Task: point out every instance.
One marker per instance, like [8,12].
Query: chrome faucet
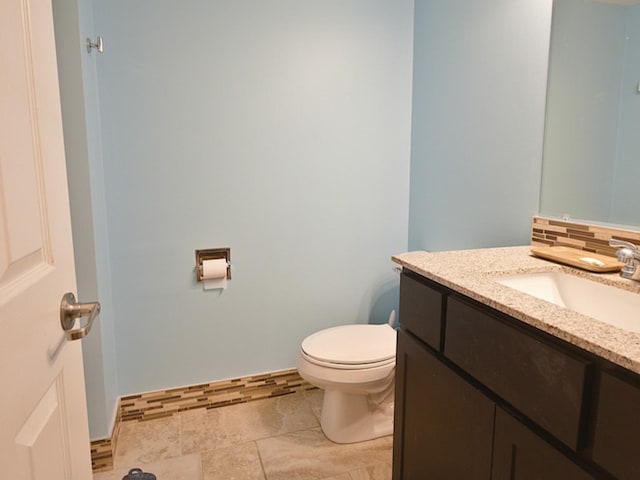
[629,254]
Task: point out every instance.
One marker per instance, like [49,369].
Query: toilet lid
[352,344]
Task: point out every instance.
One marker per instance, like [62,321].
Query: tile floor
[272,439]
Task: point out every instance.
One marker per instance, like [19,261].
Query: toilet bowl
[354,365]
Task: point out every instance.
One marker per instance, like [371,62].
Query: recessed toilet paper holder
[212,254]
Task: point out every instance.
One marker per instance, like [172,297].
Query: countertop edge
[472,273]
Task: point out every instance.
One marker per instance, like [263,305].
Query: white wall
[480,72]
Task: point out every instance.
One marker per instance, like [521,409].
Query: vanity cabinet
[543,382]
[480,395]
[520,454]
[422,310]
[444,415]
[617,431]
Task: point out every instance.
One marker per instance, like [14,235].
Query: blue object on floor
[138,474]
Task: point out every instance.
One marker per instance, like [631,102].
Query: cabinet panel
[544,383]
[617,437]
[421,309]
[519,454]
[443,425]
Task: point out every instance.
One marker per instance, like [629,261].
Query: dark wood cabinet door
[617,437]
[519,454]
[443,425]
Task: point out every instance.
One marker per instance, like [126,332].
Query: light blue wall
[479,84]
[280,129]
[86,193]
[581,135]
[593,113]
[627,168]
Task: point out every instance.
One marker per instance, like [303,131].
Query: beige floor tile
[238,462]
[222,427]
[140,443]
[179,468]
[381,471]
[281,435]
[314,398]
[310,455]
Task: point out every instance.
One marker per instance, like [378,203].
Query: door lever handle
[70,311]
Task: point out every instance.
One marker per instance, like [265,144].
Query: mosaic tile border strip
[584,236]
[102,451]
[101,455]
[165,403]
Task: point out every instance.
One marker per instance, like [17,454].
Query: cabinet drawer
[617,433]
[421,309]
[542,381]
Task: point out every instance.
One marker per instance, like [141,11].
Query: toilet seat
[351,347]
[347,366]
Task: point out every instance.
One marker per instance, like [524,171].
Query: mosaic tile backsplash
[164,403]
[584,236]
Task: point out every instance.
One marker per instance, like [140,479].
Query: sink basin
[608,304]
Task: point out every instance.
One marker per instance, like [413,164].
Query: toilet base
[349,418]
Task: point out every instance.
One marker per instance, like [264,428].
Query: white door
[43,416]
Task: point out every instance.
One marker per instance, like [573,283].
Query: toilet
[354,365]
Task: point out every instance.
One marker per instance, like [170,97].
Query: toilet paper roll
[214,274]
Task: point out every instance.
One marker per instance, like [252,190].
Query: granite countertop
[472,273]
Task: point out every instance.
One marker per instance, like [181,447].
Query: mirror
[591,160]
